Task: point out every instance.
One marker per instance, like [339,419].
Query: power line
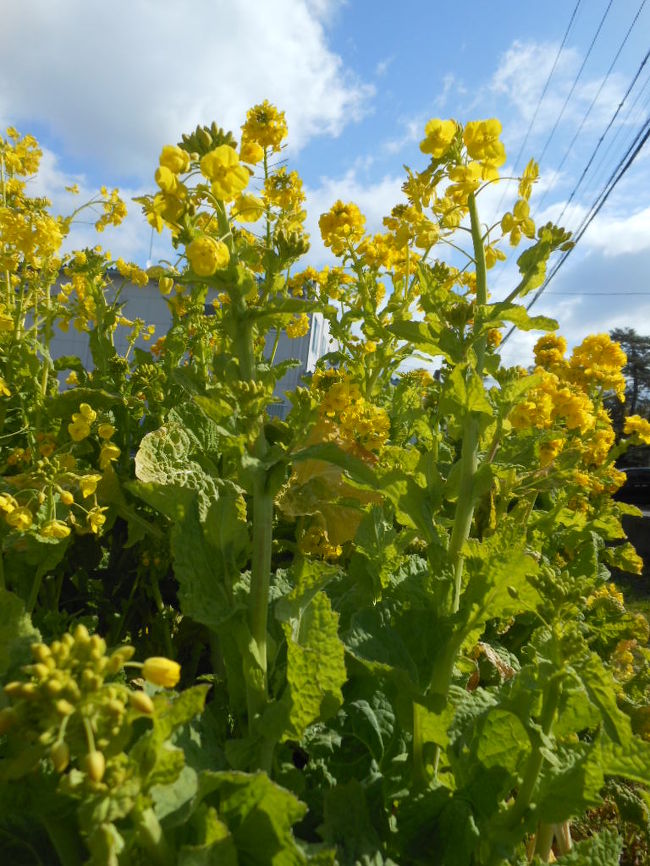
[593,102]
[600,140]
[541,98]
[598,169]
[589,294]
[575,81]
[629,157]
[620,170]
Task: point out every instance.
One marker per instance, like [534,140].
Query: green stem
[151,838]
[419,774]
[258,604]
[259,594]
[544,841]
[469,454]
[536,759]
[65,840]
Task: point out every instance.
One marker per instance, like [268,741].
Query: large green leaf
[165,457]
[16,633]
[315,665]
[603,849]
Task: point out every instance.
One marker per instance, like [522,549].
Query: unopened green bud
[13,689]
[81,635]
[7,719]
[60,756]
[141,702]
[41,652]
[64,708]
[95,765]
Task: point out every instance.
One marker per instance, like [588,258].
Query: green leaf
[355,468]
[571,784]
[165,457]
[315,665]
[502,741]
[17,633]
[464,393]
[518,315]
[600,687]
[420,336]
[603,849]
[259,814]
[629,760]
[347,824]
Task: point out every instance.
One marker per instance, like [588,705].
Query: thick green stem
[536,758]
[259,594]
[258,604]
[469,454]
[151,838]
[65,840]
[464,505]
[419,774]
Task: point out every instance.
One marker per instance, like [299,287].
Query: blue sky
[104,86]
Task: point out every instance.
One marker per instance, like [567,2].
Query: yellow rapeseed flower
[223,168]
[481,139]
[55,529]
[207,255]
[161,671]
[109,452]
[439,135]
[174,158]
[248,208]
[88,484]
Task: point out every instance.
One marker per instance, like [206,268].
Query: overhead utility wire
[624,164]
[595,99]
[541,98]
[598,169]
[615,177]
[575,81]
[600,140]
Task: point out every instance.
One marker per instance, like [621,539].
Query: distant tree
[636,371]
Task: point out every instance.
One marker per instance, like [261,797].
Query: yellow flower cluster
[132,272]
[28,237]
[638,427]
[315,541]
[597,363]
[21,154]
[518,222]
[408,224]
[70,704]
[549,353]
[353,417]
[342,227]
[265,126]
[284,190]
[114,209]
[248,208]
[298,326]
[550,402]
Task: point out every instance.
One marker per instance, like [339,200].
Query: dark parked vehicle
[636,488]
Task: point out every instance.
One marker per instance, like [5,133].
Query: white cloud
[113,82]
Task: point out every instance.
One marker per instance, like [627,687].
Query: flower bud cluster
[71,708]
